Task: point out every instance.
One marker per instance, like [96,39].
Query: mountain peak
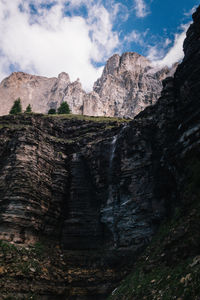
[128,84]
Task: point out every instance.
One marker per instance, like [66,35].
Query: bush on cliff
[64,108]
[16,108]
[28,109]
[52,111]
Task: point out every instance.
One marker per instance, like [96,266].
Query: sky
[47,37]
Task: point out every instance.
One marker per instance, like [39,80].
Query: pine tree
[16,108]
[64,108]
[28,109]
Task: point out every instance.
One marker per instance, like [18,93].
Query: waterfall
[110,168]
[109,213]
[112,151]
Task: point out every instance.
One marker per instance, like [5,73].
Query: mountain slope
[96,190]
[128,84]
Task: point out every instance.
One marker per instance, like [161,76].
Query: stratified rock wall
[101,189]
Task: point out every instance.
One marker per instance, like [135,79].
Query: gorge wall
[128,84]
[98,188]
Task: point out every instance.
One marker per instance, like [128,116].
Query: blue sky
[46,37]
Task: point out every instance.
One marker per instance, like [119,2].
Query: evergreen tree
[64,108]
[51,111]
[16,108]
[28,109]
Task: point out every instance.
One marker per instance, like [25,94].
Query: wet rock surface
[100,189]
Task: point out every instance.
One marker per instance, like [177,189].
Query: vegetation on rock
[28,109]
[16,108]
[63,108]
[22,269]
[52,111]
[170,266]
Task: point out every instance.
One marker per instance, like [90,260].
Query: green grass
[63,141]
[156,276]
[28,265]
[13,126]
[88,118]
[161,283]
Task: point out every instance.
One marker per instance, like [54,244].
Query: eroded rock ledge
[100,189]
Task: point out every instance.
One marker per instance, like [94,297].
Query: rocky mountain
[128,84]
[41,92]
[81,198]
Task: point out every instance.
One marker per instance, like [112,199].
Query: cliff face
[99,188]
[41,92]
[49,195]
[128,84]
[170,266]
[38,154]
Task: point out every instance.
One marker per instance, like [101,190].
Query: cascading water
[109,212]
[110,170]
[113,148]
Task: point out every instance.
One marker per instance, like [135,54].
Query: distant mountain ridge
[82,197]
[128,84]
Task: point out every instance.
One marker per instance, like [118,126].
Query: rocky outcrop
[36,154]
[128,84]
[97,187]
[48,194]
[40,92]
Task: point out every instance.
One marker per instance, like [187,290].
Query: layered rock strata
[101,189]
[128,84]
[48,194]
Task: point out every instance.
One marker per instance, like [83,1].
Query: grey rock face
[128,84]
[41,92]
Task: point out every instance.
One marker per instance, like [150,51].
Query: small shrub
[51,111]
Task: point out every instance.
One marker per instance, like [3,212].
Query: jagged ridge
[128,84]
[115,186]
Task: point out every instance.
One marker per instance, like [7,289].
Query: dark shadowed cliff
[86,196]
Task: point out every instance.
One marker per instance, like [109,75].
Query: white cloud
[136,37]
[50,42]
[191,11]
[167,42]
[103,38]
[155,53]
[141,8]
[120,11]
[174,54]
